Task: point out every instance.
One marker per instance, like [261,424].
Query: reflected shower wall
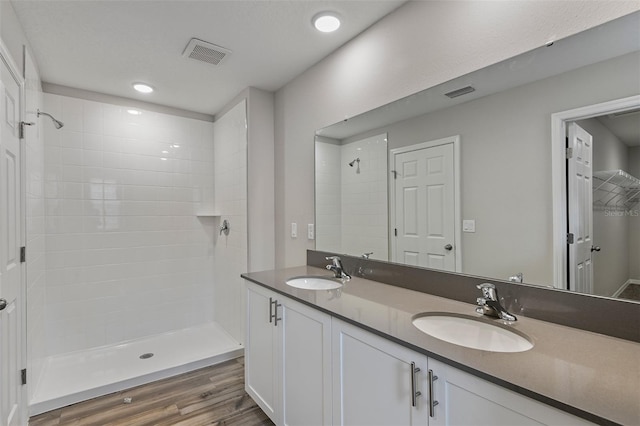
[351,196]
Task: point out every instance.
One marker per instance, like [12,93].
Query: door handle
[448,247]
[595,248]
[3,304]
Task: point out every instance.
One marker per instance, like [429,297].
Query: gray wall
[634,221]
[419,45]
[610,232]
[506,167]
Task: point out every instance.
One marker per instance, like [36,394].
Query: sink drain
[146,356]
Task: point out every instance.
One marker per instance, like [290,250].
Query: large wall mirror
[465,176]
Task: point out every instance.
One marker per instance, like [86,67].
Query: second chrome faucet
[489,303]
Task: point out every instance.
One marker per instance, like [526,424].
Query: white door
[580,209]
[10,242]
[424,192]
[464,399]
[261,379]
[375,381]
[305,343]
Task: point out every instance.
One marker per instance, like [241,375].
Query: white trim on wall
[455,140]
[559,121]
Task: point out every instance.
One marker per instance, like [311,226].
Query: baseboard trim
[624,286]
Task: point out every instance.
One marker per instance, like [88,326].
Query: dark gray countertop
[591,375]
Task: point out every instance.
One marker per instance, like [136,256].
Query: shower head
[57,123]
[357,160]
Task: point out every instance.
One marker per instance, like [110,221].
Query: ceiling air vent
[205,52]
[460,92]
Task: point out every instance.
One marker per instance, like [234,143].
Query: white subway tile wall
[351,201]
[364,197]
[126,255]
[328,197]
[230,253]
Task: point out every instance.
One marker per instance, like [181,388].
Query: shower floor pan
[78,376]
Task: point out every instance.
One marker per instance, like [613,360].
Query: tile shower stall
[130,261]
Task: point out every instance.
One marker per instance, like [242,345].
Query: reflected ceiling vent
[205,52]
[460,92]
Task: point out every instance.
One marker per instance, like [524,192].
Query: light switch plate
[294,230]
[468,225]
[311,233]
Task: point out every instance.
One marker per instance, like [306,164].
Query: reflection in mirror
[506,224]
[351,196]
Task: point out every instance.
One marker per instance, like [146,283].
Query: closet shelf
[615,189]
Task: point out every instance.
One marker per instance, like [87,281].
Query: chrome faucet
[336,267]
[490,305]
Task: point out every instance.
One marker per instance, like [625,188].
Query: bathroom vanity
[352,355]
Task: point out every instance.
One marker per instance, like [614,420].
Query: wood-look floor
[209,396]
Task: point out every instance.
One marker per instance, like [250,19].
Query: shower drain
[146,356]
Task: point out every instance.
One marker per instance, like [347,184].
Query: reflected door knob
[3,304]
[595,248]
[448,247]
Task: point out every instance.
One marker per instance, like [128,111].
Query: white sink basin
[471,332]
[314,283]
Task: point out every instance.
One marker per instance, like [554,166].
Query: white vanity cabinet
[376,381]
[288,358]
[305,367]
[464,399]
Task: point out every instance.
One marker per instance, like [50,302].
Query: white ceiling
[624,127]
[105,45]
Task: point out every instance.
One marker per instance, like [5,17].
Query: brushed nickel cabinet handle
[432,401]
[275,315]
[414,393]
[271,301]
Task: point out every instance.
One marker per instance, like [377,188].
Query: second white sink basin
[471,332]
[314,283]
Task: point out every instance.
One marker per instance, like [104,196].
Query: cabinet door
[464,399]
[261,379]
[372,380]
[305,335]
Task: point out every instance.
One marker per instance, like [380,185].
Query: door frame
[559,122]
[13,68]
[457,221]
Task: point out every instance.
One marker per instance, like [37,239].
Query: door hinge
[23,254]
[569,238]
[21,128]
[569,153]
[23,376]
[395,232]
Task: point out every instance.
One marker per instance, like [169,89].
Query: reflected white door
[580,209]
[10,241]
[424,204]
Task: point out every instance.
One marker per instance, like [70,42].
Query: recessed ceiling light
[326,22]
[134,111]
[142,87]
